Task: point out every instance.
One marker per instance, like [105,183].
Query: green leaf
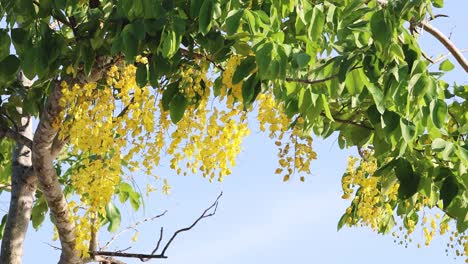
[138,29]
[135,200]
[326,107]
[408,130]
[438,113]
[206,16]
[438,3]
[354,82]
[385,169]
[446,66]
[38,212]
[409,180]
[233,21]
[19,36]
[117,45]
[448,151]
[113,216]
[9,66]
[381,30]
[168,45]
[195,7]
[342,222]
[438,144]
[142,75]
[390,121]
[168,94]
[177,107]
[378,96]
[316,24]
[301,59]
[449,190]
[305,100]
[4,43]
[250,89]
[130,44]
[244,69]
[263,57]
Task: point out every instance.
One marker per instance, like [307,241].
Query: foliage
[302,67]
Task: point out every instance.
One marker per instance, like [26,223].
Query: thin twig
[146,257]
[52,246]
[441,58]
[305,81]
[125,110]
[204,215]
[12,121]
[447,43]
[130,228]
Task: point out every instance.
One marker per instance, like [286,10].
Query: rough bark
[43,156]
[23,188]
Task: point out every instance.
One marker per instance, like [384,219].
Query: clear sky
[260,219]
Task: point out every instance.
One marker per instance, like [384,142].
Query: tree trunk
[23,188]
[43,158]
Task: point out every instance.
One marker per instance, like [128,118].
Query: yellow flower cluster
[99,136]
[295,152]
[227,85]
[207,141]
[194,84]
[115,123]
[371,204]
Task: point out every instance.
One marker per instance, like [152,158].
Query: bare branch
[210,211]
[204,215]
[127,255]
[124,110]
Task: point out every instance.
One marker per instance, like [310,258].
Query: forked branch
[208,212]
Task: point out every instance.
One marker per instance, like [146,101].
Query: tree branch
[441,58]
[128,255]
[204,215]
[447,43]
[146,257]
[305,81]
[11,134]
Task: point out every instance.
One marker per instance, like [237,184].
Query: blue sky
[260,219]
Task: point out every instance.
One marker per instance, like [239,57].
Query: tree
[119,84]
